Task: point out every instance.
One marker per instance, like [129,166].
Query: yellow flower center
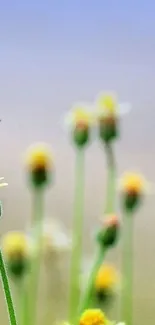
[93,317]
[15,243]
[106,278]
[108,104]
[39,157]
[133,182]
[81,116]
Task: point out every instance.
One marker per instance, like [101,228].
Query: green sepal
[108,237]
[81,137]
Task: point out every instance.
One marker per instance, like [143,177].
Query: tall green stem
[77,235]
[37,226]
[109,205]
[24,299]
[7,292]
[86,300]
[127,270]
[109,208]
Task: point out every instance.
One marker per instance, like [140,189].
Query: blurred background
[52,54]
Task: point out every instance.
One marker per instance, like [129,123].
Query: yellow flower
[133,182]
[107,104]
[39,162]
[15,244]
[93,317]
[107,278]
[80,115]
[38,156]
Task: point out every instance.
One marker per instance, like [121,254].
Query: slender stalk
[127,270]
[88,295]
[18,286]
[25,303]
[7,292]
[37,225]
[109,208]
[77,236]
[109,204]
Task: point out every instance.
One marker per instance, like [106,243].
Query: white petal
[124,108]
[3,184]
[55,236]
[61,242]
[1,178]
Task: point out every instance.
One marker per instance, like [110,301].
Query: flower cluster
[25,253]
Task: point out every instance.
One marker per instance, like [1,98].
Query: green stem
[7,292]
[77,236]
[86,301]
[109,208]
[127,270]
[111,182]
[25,303]
[37,226]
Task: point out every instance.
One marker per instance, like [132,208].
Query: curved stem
[86,301]
[7,292]
[77,236]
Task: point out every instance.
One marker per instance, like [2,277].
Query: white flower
[3,183]
[54,237]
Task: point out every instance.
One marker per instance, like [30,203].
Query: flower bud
[132,186]
[81,134]
[108,128]
[39,165]
[16,250]
[107,237]
[80,121]
[106,282]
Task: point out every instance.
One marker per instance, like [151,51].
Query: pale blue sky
[54,53]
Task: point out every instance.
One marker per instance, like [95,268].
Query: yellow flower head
[132,182]
[93,317]
[80,116]
[39,156]
[107,277]
[107,104]
[15,244]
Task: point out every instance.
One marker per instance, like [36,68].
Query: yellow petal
[39,155]
[14,242]
[133,181]
[107,103]
[107,277]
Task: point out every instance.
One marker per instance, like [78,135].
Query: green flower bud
[81,136]
[108,128]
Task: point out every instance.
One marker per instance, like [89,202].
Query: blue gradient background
[53,53]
